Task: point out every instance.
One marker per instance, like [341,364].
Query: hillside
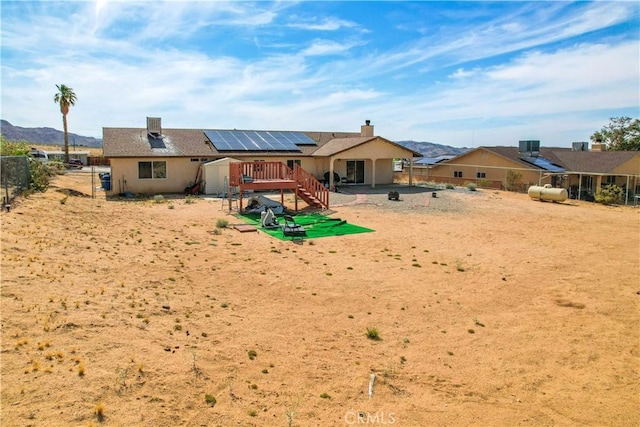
[44,135]
[431,149]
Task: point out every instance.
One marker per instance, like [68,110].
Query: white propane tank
[548,193]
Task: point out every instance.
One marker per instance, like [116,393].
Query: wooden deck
[262,176]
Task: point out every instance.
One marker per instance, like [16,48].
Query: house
[156,160]
[58,156]
[580,170]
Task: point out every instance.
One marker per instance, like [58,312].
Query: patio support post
[331,183]
[373,173]
[626,197]
[579,186]
[411,170]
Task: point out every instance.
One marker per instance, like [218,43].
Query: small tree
[514,181]
[621,134]
[609,195]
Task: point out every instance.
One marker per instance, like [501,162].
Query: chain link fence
[15,177]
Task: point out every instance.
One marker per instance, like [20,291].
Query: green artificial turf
[315,225]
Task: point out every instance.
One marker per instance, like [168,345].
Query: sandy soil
[492,309]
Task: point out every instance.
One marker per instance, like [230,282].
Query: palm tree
[66,97]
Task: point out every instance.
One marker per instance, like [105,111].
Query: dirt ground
[491,309]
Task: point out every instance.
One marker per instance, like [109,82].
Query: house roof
[567,159]
[593,161]
[136,142]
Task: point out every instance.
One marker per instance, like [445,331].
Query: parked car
[75,164]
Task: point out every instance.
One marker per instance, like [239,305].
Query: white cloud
[324,24]
[122,74]
[327,47]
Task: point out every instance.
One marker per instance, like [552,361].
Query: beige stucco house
[156,160]
[582,173]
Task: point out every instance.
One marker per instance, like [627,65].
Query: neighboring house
[156,160]
[58,156]
[583,173]
[83,156]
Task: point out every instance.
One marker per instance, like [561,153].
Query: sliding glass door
[355,171]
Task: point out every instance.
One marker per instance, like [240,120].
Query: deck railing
[311,185]
[242,172]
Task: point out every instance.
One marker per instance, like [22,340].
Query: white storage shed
[214,174]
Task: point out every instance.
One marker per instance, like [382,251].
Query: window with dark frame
[481,175]
[457,174]
[152,170]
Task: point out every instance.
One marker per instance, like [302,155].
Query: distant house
[581,171]
[156,160]
[83,156]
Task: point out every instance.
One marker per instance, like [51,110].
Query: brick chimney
[366,129]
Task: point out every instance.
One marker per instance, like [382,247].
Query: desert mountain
[431,149]
[44,135]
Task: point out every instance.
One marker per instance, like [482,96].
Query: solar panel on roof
[156,141]
[250,140]
[543,163]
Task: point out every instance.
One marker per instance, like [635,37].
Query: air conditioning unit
[154,125]
[579,146]
[529,148]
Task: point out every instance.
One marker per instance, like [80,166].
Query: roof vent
[154,126]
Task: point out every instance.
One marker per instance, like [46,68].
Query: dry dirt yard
[491,310]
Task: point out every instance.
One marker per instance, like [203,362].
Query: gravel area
[411,198]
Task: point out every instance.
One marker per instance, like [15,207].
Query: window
[194,160]
[457,174]
[152,170]
[290,163]
[481,175]
[610,179]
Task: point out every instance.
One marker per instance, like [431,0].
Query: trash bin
[105,178]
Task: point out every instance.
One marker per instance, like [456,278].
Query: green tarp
[315,225]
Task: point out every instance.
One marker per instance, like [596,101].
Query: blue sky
[455,73]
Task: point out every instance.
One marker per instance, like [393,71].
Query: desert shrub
[210,399]
[40,174]
[514,181]
[450,186]
[471,186]
[158,198]
[222,223]
[609,195]
[373,334]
